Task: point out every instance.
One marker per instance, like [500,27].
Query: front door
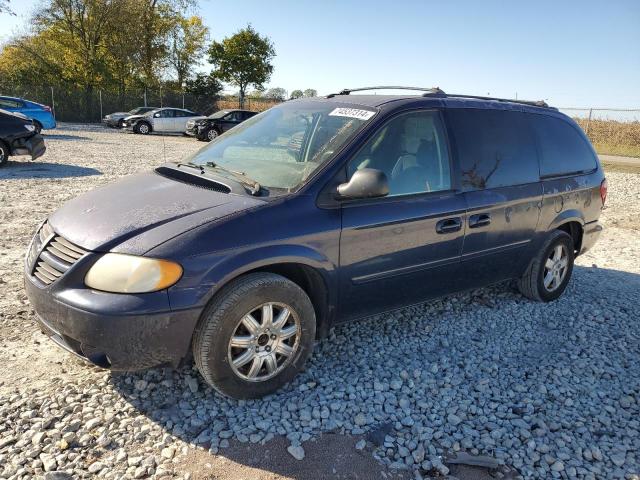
[230,120]
[164,123]
[500,177]
[405,247]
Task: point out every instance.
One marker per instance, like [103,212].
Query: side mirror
[365,183]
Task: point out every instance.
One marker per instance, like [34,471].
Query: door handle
[449,225]
[480,220]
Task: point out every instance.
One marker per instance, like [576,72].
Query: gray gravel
[552,391]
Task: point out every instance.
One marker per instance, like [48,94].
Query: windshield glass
[219,114]
[283,146]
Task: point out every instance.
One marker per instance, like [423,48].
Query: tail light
[603,191]
[47,108]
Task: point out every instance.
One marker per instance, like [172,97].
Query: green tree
[276,93]
[310,92]
[296,94]
[243,60]
[188,44]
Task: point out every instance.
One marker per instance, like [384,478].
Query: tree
[204,85]
[296,94]
[188,37]
[4,7]
[276,93]
[310,92]
[243,60]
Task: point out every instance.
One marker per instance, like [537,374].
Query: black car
[18,136]
[314,212]
[207,129]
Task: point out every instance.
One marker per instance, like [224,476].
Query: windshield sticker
[352,113]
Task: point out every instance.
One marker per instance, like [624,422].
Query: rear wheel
[549,272]
[254,336]
[4,153]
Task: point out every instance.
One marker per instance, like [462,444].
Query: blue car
[314,212]
[41,115]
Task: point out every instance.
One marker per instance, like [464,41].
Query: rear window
[496,148]
[563,150]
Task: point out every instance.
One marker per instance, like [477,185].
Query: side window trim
[444,130]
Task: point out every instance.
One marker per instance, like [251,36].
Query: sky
[571,53]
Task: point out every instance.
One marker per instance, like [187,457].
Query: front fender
[205,275]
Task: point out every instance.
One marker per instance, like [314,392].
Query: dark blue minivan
[314,212]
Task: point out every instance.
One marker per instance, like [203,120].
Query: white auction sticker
[352,113]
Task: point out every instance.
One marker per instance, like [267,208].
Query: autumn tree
[187,45]
[243,60]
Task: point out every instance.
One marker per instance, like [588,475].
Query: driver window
[411,150]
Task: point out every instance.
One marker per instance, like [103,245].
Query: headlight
[118,273]
[31,128]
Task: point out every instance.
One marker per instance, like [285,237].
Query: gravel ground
[538,391]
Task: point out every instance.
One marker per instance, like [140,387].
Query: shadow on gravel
[477,351]
[27,170]
[63,136]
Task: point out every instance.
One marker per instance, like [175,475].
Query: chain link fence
[90,106]
[612,131]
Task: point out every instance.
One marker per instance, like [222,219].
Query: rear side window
[563,150]
[496,148]
[10,103]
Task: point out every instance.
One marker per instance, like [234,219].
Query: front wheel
[142,127]
[549,272]
[4,153]
[210,134]
[254,336]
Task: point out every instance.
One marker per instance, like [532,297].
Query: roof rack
[430,91]
[535,103]
[437,92]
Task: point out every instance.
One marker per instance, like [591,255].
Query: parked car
[18,136]
[165,120]
[116,119]
[207,129]
[314,212]
[41,115]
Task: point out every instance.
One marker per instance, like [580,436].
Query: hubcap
[144,128]
[555,268]
[212,134]
[264,342]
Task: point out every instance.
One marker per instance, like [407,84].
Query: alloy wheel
[555,268]
[264,342]
[212,134]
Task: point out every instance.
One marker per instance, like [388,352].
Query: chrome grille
[57,256]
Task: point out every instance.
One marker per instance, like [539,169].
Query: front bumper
[121,332]
[33,146]
[112,122]
[590,234]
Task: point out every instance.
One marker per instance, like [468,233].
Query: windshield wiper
[192,165]
[253,185]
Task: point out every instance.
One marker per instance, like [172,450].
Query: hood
[142,211]
[19,115]
[134,117]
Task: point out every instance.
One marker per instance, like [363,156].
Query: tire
[210,134]
[4,154]
[38,126]
[221,364]
[534,284]
[144,128]
[120,123]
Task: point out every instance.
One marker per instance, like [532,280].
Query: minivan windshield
[281,147]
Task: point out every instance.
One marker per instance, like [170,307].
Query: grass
[622,150]
[612,137]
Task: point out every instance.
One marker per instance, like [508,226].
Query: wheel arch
[571,222]
[303,266]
